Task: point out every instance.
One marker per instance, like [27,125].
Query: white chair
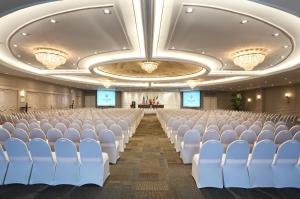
[53,135]
[125,128]
[88,133]
[235,165]
[295,129]
[190,146]
[45,127]
[61,126]
[269,128]
[73,135]
[4,135]
[24,121]
[286,171]
[200,129]
[179,136]
[116,129]
[173,132]
[210,135]
[94,167]
[226,127]
[110,145]
[33,125]
[22,126]
[260,164]
[280,128]
[255,128]
[20,134]
[282,136]
[75,126]
[240,129]
[68,164]
[3,165]
[20,162]
[206,166]
[43,162]
[234,124]
[297,136]
[265,135]
[8,126]
[212,127]
[100,128]
[109,122]
[37,133]
[249,136]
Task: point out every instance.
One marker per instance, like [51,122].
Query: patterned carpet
[148,169]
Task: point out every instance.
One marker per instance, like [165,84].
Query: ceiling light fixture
[249,58]
[189,10]
[244,21]
[107,83]
[107,11]
[149,66]
[286,46]
[24,33]
[51,58]
[15,45]
[276,34]
[53,21]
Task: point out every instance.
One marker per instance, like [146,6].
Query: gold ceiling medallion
[149,66]
[49,57]
[248,59]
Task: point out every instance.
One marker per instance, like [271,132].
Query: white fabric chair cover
[73,135]
[68,164]
[206,166]
[212,127]
[4,135]
[297,136]
[61,126]
[295,129]
[240,129]
[116,129]
[53,135]
[235,166]
[45,127]
[88,126]
[190,146]
[255,128]
[282,136]
[269,128]
[285,168]
[100,128]
[20,162]
[33,125]
[226,127]
[76,126]
[210,135]
[174,129]
[43,162]
[94,167]
[22,126]
[88,133]
[37,133]
[8,126]
[260,164]
[228,137]
[248,136]
[179,137]
[125,128]
[280,128]
[110,145]
[265,135]
[20,134]
[24,121]
[3,165]
[234,124]
[200,129]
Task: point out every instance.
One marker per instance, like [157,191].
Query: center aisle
[150,167]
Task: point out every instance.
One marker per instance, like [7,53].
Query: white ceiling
[208,37]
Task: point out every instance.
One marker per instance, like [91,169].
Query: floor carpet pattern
[149,168]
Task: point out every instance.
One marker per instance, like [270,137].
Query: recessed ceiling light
[244,21]
[52,20]
[225,64]
[290,82]
[24,33]
[107,11]
[28,63]
[19,56]
[74,64]
[15,45]
[124,48]
[202,52]
[285,78]
[276,34]
[189,10]
[286,46]
[79,58]
[173,48]
[282,57]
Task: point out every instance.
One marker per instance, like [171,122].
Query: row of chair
[38,165]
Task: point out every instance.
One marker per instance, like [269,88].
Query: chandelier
[51,58]
[149,66]
[249,58]
[107,83]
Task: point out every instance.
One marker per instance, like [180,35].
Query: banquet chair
[117,131]
[265,135]
[45,127]
[282,136]
[53,135]
[240,129]
[249,136]
[3,165]
[179,136]
[88,133]
[100,128]
[33,125]
[22,126]
[73,135]
[20,134]
[94,167]
[190,146]
[110,145]
[37,133]
[20,162]
[4,135]
[210,135]
[61,126]
[8,126]
[297,136]
[294,129]
[43,162]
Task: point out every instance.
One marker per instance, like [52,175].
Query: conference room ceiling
[191,40]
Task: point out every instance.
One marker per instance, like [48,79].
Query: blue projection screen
[106,98]
[191,99]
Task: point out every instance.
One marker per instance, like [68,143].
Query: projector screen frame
[106,106]
[191,107]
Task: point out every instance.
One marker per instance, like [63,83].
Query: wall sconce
[287,96]
[22,93]
[258,96]
[249,100]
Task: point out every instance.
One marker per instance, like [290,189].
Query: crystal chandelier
[51,58]
[149,66]
[107,83]
[192,84]
[249,58]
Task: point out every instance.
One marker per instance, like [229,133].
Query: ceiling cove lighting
[149,66]
[51,58]
[249,58]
